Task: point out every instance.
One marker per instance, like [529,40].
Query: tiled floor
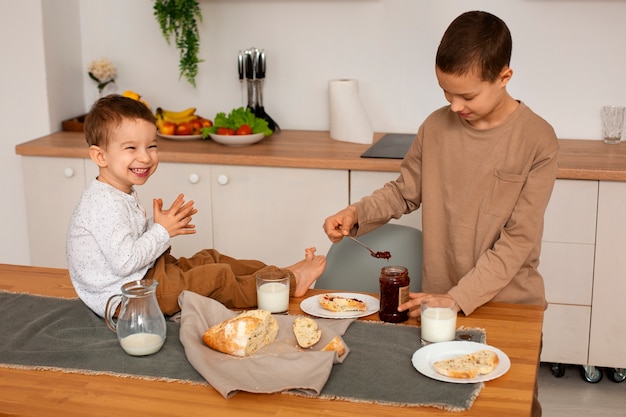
[572,396]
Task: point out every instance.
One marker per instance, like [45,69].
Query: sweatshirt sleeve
[395,198]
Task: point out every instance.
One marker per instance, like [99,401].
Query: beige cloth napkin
[279,366]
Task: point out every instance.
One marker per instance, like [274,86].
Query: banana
[131,94]
[178,114]
[181,119]
[135,96]
[159,122]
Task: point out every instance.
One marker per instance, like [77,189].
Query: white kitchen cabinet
[194,181]
[265,213]
[607,342]
[273,214]
[53,187]
[566,334]
[567,262]
[363,183]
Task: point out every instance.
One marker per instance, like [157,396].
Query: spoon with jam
[377,255]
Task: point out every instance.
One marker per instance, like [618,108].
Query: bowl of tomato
[237,140]
[238,128]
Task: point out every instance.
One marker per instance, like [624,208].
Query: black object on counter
[392,145]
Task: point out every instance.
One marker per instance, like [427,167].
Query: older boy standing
[482,168]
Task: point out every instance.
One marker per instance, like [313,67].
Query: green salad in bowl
[239,121]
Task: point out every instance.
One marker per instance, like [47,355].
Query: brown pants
[230,281]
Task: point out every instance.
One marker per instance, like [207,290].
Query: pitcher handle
[109,311]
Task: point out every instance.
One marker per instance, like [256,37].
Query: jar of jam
[394,290]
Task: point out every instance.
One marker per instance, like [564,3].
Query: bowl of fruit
[180,125]
[239,128]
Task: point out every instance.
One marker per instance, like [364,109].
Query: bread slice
[337,303]
[244,334]
[468,366]
[335,344]
[306,331]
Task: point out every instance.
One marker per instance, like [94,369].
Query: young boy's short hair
[475,40]
[109,112]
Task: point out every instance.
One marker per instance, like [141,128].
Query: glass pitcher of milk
[140,324]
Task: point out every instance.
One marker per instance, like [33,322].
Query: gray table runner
[63,334]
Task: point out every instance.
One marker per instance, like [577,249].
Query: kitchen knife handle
[240,65]
[260,67]
[249,67]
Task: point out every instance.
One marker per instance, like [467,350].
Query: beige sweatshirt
[483,195]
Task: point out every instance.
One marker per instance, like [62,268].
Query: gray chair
[350,267]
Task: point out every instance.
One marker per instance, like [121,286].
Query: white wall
[563,59]
[23,115]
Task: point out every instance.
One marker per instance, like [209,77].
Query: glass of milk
[438,317]
[272,291]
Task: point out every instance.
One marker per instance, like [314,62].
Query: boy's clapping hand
[176,219]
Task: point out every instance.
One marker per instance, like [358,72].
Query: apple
[205,122]
[183,129]
[167,128]
[196,126]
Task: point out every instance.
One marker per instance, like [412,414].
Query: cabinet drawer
[607,346]
[571,214]
[567,270]
[273,214]
[53,187]
[566,334]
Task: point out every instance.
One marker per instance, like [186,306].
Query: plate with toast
[340,305]
[461,362]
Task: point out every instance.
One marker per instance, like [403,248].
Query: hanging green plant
[179,19]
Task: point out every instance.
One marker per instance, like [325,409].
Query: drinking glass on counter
[612,124]
[438,317]
[272,291]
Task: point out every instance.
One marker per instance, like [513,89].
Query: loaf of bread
[335,344]
[244,334]
[306,332]
[468,366]
[338,303]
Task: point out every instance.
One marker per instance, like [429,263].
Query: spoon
[379,255]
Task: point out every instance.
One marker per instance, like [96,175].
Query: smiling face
[130,156]
[483,104]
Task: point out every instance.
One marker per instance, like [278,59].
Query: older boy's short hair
[475,40]
[109,112]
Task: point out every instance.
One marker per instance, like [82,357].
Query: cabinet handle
[222,179]
[68,172]
[194,178]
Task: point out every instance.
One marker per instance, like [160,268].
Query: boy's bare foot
[307,271]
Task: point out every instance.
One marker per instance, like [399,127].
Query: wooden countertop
[515,329]
[579,159]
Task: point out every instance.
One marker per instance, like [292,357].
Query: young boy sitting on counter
[111,240]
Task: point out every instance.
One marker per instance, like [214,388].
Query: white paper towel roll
[348,118]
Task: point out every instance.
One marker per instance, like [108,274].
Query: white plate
[312,306]
[237,140]
[424,358]
[180,137]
